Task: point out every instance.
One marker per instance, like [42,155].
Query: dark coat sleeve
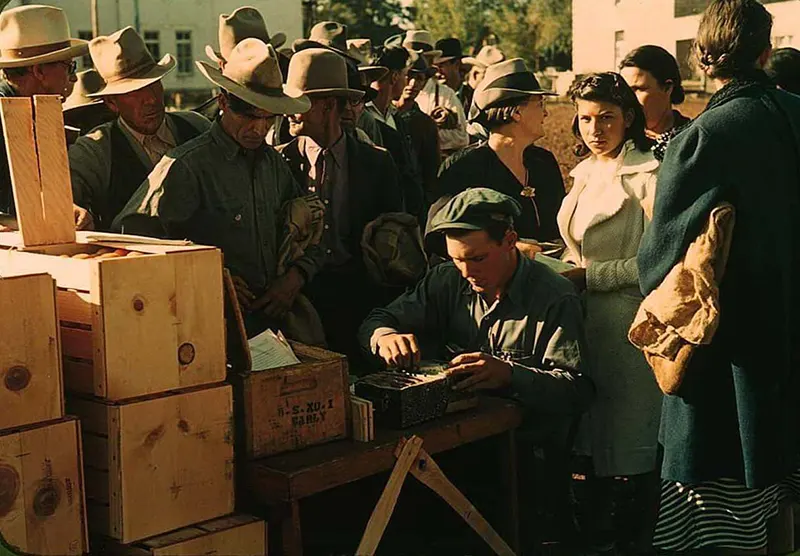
[386,179]
[549,184]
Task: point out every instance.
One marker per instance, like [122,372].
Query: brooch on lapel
[529,192]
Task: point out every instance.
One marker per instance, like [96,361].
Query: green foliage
[374,19]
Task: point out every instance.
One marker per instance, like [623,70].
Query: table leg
[285,535]
[509,466]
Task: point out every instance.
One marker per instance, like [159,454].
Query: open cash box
[137,315]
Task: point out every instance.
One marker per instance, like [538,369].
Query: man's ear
[222,100]
[510,241]
[111,104]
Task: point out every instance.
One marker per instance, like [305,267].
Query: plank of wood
[241,540]
[74,307]
[31,388]
[23,161]
[428,472]
[77,343]
[68,273]
[78,375]
[97,485]
[53,169]
[95,417]
[95,451]
[45,505]
[386,503]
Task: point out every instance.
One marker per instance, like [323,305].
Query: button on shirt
[213,192]
[328,178]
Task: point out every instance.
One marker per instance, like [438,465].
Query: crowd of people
[389,201]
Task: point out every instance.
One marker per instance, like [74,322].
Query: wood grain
[31,388]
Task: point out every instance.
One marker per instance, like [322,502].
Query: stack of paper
[363,426]
[270,351]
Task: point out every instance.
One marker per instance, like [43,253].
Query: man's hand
[577,276]
[529,248]
[280,295]
[399,350]
[83,218]
[243,293]
[479,371]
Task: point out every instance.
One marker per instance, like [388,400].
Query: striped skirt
[720,513]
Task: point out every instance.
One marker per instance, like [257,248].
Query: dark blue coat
[736,414]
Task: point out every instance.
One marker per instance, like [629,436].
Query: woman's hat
[320,71]
[361,50]
[451,50]
[252,74]
[244,23]
[125,63]
[421,42]
[504,81]
[34,34]
[88,82]
[488,55]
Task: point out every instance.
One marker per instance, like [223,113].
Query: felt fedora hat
[320,71]
[125,64]
[361,50]
[487,56]
[89,81]
[504,81]
[35,34]
[451,50]
[421,64]
[252,74]
[421,41]
[244,23]
[327,34]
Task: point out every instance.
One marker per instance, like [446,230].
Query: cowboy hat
[326,34]
[31,35]
[320,71]
[487,56]
[420,64]
[504,81]
[451,50]
[252,74]
[124,62]
[361,50]
[421,42]
[88,82]
[244,23]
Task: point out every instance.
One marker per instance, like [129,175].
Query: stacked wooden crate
[143,347]
[42,507]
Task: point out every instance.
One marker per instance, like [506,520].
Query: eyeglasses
[71,65]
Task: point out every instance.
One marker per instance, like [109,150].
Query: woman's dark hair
[731,37]
[501,113]
[783,67]
[610,87]
[661,65]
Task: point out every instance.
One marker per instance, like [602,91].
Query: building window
[86,60]
[785,40]
[684,54]
[153,42]
[619,47]
[183,51]
[692,7]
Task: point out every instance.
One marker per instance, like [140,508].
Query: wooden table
[281,481]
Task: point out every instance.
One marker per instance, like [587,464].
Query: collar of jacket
[634,161]
[228,147]
[517,287]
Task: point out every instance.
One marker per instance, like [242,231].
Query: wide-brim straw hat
[125,64]
[35,34]
[320,71]
[244,23]
[421,41]
[253,75]
[507,80]
[88,82]
[361,50]
[487,56]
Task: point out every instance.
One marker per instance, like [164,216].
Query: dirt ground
[560,141]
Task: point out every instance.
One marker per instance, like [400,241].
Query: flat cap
[472,210]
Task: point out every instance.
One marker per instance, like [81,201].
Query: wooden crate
[131,326]
[292,407]
[41,489]
[30,361]
[236,535]
[158,463]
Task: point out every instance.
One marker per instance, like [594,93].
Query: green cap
[473,209]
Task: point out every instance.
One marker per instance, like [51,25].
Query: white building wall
[201,17]
[596,22]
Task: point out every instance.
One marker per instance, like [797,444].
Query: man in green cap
[509,326]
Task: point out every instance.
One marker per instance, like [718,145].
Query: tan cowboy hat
[327,34]
[487,56]
[89,81]
[507,80]
[252,74]
[244,23]
[421,42]
[34,34]
[320,71]
[125,63]
[361,50]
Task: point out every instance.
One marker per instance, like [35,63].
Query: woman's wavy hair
[609,87]
[731,36]
[661,65]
